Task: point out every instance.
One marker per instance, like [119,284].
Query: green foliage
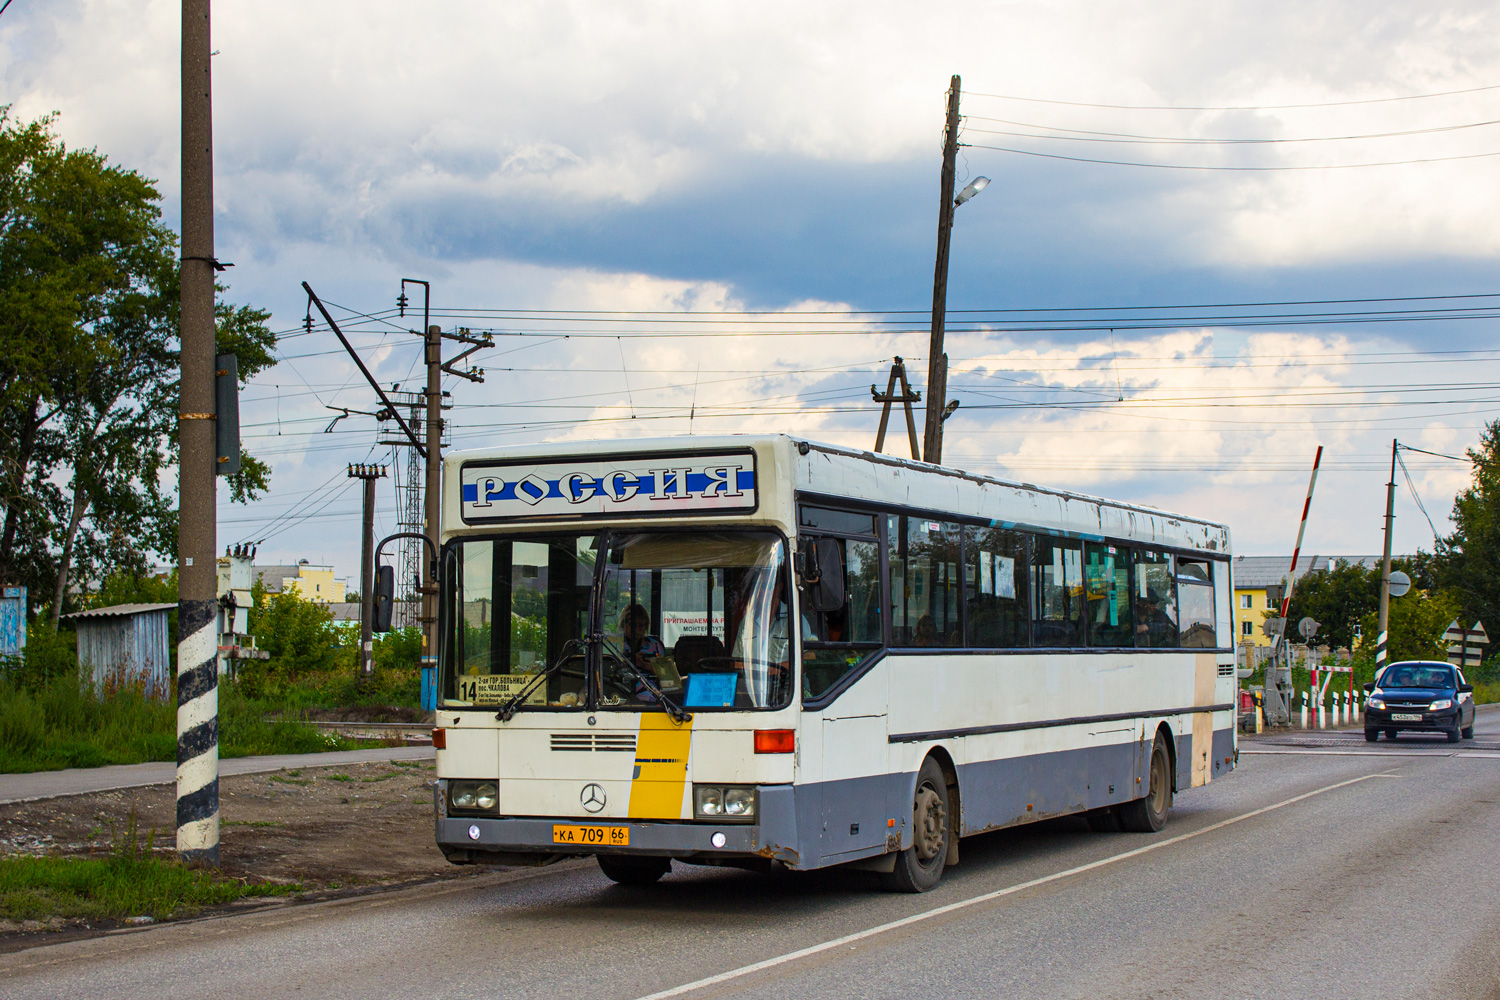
[130,882]
[298,634]
[89,304]
[1416,623]
[1467,562]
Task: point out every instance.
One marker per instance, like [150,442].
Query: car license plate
[604,836]
[1405,717]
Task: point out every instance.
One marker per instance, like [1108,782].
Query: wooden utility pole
[197,584]
[907,397]
[369,473]
[1385,565]
[937,361]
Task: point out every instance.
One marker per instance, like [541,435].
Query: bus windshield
[699,616]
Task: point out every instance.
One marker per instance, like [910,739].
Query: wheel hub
[929,815]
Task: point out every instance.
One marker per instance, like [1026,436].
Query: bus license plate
[1405,717]
[604,836]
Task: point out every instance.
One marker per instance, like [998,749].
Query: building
[1259,582]
[312,583]
[125,645]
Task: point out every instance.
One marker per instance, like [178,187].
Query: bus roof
[936,488]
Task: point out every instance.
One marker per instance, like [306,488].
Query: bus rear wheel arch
[1148,814]
[920,866]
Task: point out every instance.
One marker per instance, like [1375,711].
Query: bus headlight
[724,803]
[472,796]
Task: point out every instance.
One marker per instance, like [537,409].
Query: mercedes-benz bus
[760,651]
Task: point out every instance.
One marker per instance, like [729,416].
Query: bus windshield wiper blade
[508,710]
[648,681]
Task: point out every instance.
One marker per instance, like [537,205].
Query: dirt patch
[326,828]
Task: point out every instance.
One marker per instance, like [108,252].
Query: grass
[130,882]
[56,724]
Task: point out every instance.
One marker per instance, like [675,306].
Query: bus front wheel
[920,866]
[1149,814]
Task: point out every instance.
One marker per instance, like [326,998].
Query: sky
[701,217]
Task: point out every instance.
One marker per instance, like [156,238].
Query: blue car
[1426,696]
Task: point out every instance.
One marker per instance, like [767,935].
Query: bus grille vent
[1226,670]
[624,742]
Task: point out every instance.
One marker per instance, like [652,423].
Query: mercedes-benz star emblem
[592,797]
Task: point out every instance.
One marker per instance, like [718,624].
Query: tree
[1467,562]
[295,631]
[1416,623]
[88,364]
[1337,598]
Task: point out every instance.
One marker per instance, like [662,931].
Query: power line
[1087,135]
[1187,166]
[1242,107]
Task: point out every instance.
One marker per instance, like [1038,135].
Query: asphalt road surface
[1313,871]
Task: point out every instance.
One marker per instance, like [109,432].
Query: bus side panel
[1000,791]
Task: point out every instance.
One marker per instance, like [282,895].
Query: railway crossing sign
[1465,644]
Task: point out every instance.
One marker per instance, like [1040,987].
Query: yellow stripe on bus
[661,757]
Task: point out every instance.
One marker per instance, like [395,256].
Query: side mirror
[385,598]
[1369,686]
[821,576]
[1466,689]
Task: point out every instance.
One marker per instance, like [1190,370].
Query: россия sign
[608,486]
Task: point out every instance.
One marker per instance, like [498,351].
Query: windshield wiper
[519,698]
[648,681]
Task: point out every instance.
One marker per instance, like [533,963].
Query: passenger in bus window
[640,645]
[926,634]
[1152,626]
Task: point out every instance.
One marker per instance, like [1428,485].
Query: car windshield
[698,617]
[1417,675]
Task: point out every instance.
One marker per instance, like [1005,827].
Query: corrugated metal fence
[125,645]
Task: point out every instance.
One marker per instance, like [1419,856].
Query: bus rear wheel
[628,870]
[920,866]
[1149,814]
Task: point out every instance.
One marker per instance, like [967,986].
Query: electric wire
[1232,107]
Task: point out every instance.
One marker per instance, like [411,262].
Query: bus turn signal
[775,741]
[440,739]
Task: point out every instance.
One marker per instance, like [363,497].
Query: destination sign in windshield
[608,487]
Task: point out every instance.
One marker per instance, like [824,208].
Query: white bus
[759,651]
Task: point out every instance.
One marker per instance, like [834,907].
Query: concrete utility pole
[369,473]
[197,584]
[1385,564]
[937,361]
[434,488]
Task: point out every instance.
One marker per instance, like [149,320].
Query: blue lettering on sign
[577,487]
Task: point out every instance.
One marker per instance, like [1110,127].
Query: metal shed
[125,644]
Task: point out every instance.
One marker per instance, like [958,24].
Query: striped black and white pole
[198,462]
[198,732]
[1385,566]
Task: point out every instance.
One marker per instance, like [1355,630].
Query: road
[1310,872]
[82,780]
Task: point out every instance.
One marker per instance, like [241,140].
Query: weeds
[338,777]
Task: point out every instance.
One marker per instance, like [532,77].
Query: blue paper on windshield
[709,690]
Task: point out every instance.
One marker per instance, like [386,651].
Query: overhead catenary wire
[1237,107]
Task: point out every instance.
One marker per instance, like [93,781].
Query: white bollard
[1358,708]
[1304,709]
[1320,711]
[1340,711]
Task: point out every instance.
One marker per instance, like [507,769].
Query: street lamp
[938,408]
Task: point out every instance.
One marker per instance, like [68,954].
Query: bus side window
[995,588]
[844,637]
[1057,594]
[1195,603]
[1155,600]
[1106,578]
[925,589]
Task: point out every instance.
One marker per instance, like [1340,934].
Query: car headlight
[724,803]
[1374,702]
[1440,704]
[473,796]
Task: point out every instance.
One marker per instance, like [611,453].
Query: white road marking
[1351,753]
[849,939]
